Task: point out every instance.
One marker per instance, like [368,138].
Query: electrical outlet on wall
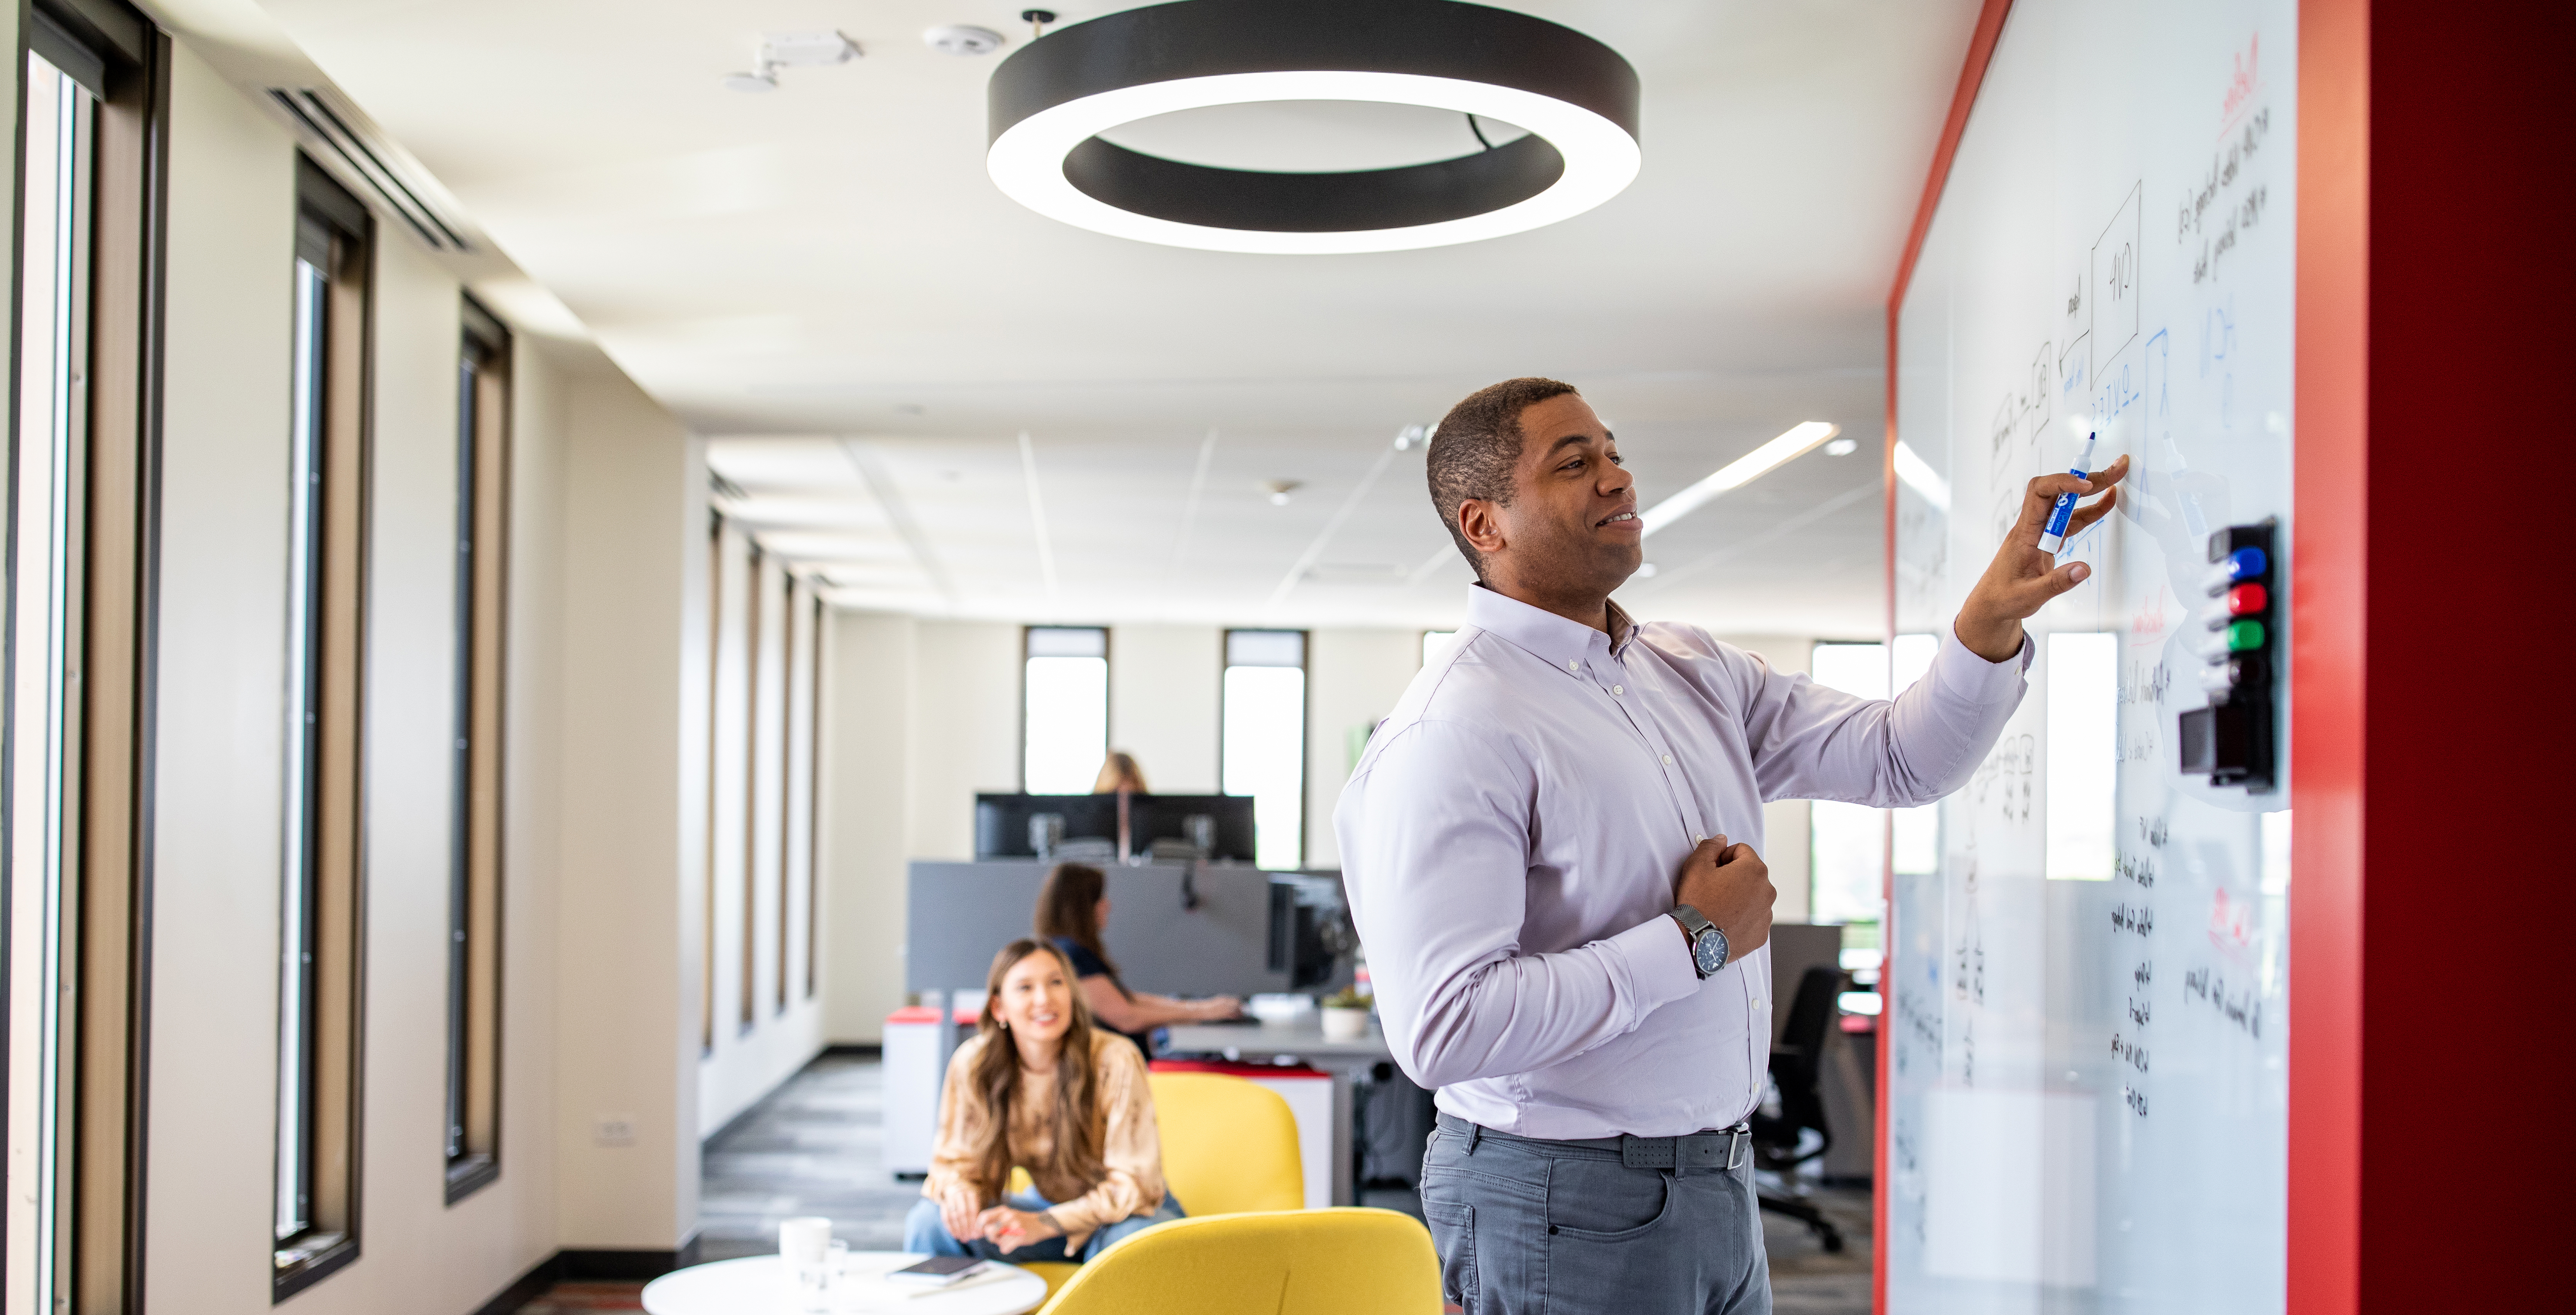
[613,1130]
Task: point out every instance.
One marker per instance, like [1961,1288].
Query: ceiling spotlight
[1411,437]
[1842,447]
[1050,100]
[782,49]
[1281,488]
[962,40]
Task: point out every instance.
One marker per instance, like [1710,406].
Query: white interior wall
[965,731]
[219,765]
[757,1048]
[632,857]
[868,728]
[924,714]
[218,738]
[1164,684]
[1353,679]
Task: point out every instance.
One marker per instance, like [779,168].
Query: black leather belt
[1714,1148]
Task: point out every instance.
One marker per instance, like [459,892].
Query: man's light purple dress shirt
[1510,839]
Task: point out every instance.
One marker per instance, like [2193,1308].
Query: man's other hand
[1730,885]
[2022,579]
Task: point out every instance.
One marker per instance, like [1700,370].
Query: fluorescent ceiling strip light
[1918,475]
[1753,465]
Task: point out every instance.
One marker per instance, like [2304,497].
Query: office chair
[1796,1063]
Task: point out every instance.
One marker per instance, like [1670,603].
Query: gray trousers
[1529,1227]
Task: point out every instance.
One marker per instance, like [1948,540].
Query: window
[318,977]
[2083,681]
[1064,710]
[474,884]
[75,743]
[786,814]
[1847,843]
[754,563]
[812,762]
[1914,834]
[715,739]
[43,726]
[1262,749]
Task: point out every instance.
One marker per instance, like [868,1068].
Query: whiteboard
[2087,979]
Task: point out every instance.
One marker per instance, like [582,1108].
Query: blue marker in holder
[2054,537]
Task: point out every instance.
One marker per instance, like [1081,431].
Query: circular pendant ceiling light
[1051,99]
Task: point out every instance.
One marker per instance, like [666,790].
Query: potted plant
[1346,1014]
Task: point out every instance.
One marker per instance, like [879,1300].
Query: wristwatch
[1708,944]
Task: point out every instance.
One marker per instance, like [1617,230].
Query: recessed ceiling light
[1842,447]
[1051,99]
[962,40]
[1281,488]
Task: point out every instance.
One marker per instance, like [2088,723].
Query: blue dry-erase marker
[2054,537]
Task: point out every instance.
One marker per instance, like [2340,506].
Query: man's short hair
[1475,448]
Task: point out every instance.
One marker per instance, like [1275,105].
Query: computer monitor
[1002,822]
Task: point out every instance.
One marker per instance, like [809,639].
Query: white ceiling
[824,279]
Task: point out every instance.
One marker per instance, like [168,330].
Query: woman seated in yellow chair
[1039,1087]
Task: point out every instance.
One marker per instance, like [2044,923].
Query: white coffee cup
[803,1241]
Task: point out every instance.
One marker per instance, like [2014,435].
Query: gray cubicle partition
[1174,928]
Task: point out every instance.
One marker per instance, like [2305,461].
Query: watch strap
[1691,919]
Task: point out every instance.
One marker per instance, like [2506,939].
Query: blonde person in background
[1039,1088]
[1073,906]
[1119,774]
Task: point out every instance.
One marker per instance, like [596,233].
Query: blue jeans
[925,1232]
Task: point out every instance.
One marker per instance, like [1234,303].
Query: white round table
[763,1285]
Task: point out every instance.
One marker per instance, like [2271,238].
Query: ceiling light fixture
[1735,474]
[1049,101]
[784,49]
[1842,447]
[1281,488]
[962,40]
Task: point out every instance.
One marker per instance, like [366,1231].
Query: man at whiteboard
[1550,849]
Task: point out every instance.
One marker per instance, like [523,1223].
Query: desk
[1302,1040]
[762,1285]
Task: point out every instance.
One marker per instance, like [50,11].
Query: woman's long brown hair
[996,1076]
[1069,906]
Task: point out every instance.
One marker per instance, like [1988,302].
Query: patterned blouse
[1130,1179]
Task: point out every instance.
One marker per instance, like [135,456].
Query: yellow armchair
[1295,1262]
[1229,1146]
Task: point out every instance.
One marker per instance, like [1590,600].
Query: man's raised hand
[2022,579]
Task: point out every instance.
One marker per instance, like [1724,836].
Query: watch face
[1709,949]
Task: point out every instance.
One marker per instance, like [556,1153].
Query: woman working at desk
[1039,1088]
[1073,906]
